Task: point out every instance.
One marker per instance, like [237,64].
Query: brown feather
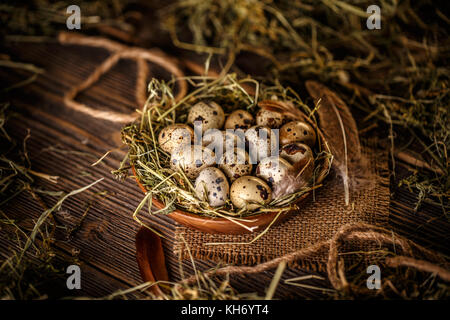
[296,179]
[340,130]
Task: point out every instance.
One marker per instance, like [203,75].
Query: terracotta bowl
[257,222]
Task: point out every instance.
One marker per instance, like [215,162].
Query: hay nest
[171,190]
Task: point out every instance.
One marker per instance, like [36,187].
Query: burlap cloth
[320,217]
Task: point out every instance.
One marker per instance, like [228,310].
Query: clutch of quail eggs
[246,172]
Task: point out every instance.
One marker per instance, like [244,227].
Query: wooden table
[65,143]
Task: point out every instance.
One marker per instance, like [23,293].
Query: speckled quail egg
[209,113]
[250,192]
[226,140]
[297,131]
[236,164]
[192,159]
[296,152]
[259,141]
[273,169]
[212,181]
[239,119]
[271,118]
[175,135]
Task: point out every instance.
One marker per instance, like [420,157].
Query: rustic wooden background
[65,143]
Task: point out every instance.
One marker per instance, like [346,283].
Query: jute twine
[363,233]
[119,51]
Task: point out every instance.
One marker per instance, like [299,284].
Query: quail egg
[239,119]
[259,141]
[269,117]
[297,131]
[175,135]
[224,140]
[296,152]
[209,113]
[250,192]
[235,164]
[273,169]
[192,159]
[212,181]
